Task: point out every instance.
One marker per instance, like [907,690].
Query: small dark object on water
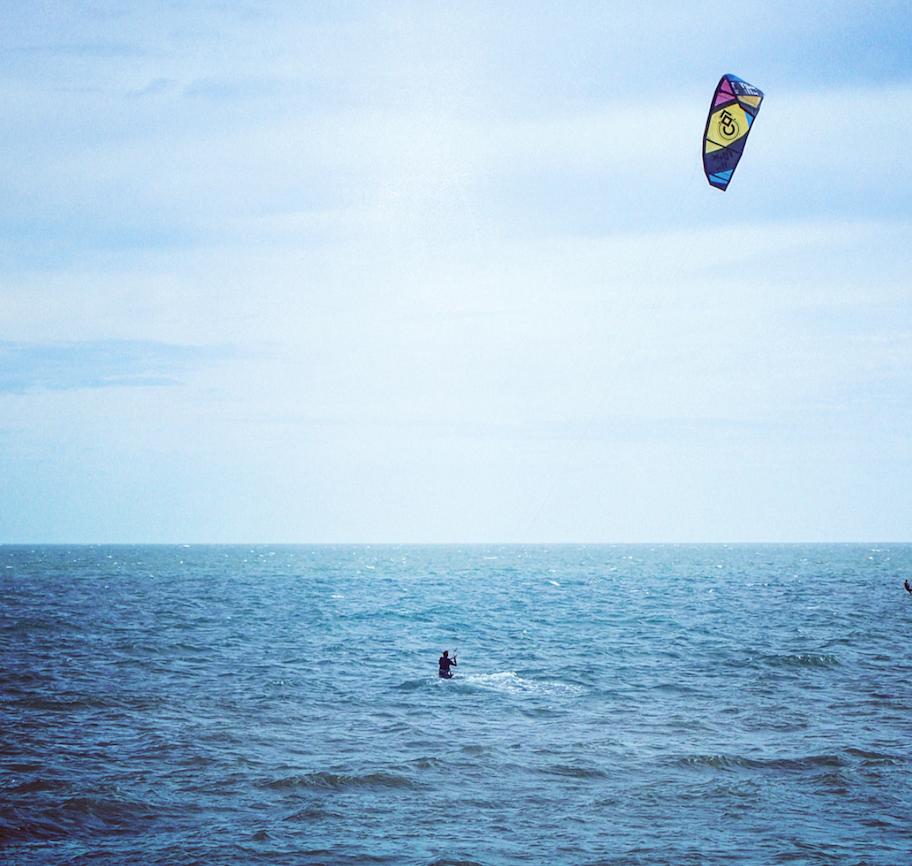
[445,663]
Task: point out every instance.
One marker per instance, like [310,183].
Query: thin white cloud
[68,366]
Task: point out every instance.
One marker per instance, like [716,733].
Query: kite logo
[728,126]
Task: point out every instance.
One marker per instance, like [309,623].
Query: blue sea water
[612,705]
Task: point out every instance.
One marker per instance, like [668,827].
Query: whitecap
[509,682]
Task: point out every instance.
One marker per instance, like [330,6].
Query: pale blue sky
[426,271]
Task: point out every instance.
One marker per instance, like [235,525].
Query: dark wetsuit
[908,588]
[445,664]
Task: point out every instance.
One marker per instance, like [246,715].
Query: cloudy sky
[332,271]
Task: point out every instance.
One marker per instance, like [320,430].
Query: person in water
[908,589]
[445,664]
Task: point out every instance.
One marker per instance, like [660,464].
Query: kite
[734,106]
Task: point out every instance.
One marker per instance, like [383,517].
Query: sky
[427,272]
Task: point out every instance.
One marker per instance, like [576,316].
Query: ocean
[612,705]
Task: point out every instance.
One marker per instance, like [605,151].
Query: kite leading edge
[734,106]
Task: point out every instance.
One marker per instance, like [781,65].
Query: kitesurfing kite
[734,106]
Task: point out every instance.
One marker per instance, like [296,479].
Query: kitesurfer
[445,664]
[908,589]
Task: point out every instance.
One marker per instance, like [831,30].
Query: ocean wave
[107,810]
[868,758]
[314,811]
[809,660]
[448,862]
[20,829]
[66,705]
[739,762]
[340,781]
[574,771]
[413,685]
[101,813]
[33,786]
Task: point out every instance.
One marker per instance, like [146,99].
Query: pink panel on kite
[724,93]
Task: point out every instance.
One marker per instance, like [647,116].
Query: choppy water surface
[612,705]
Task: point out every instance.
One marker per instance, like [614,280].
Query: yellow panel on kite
[725,127]
[735,105]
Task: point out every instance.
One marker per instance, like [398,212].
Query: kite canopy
[734,106]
